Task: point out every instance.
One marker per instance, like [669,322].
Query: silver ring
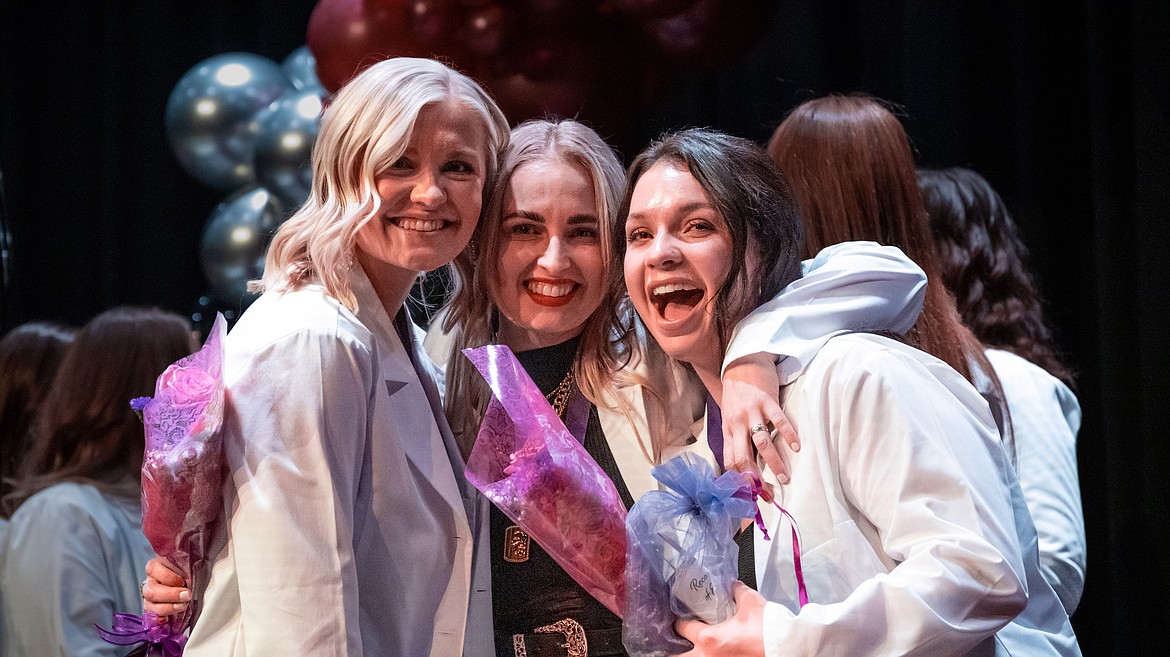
[142,588]
[758,428]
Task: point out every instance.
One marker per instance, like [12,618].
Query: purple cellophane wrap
[682,559]
[532,468]
[183,469]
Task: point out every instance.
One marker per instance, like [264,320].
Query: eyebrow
[685,209]
[538,218]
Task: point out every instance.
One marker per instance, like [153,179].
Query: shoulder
[1022,375]
[63,507]
[847,362]
[304,315]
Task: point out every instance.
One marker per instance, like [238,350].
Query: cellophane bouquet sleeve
[682,558]
[183,469]
[532,468]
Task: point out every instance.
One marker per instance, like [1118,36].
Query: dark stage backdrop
[1065,110]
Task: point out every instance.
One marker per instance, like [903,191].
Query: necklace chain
[559,397]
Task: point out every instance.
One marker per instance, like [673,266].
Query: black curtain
[1064,107]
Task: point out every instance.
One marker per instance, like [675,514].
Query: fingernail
[185,595]
[795,447]
[782,478]
[180,606]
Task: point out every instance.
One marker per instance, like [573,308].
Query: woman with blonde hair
[347,527]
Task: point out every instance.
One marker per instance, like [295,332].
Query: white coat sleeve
[298,429]
[852,286]
[917,466]
[1045,417]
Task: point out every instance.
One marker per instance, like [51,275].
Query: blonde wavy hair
[472,314]
[366,127]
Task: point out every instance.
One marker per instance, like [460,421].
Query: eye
[702,226]
[522,229]
[459,166]
[402,163]
[638,234]
[589,233]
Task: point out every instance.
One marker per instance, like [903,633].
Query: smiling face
[431,196]
[549,274]
[678,254]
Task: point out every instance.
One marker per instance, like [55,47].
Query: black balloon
[286,132]
[234,241]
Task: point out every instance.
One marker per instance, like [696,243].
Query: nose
[427,192]
[664,252]
[555,257]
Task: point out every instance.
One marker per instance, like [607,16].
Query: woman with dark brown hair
[983,266]
[29,356]
[74,548]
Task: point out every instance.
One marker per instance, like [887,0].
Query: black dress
[536,591]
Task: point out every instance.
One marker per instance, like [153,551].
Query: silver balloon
[209,116]
[300,67]
[235,238]
[287,131]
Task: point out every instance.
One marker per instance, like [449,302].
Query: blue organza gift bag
[681,557]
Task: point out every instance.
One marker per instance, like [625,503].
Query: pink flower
[184,385]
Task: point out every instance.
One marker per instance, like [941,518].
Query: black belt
[566,638]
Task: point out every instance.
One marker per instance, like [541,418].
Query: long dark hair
[754,199]
[984,265]
[29,357]
[851,165]
[86,430]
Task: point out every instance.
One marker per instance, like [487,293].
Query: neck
[392,284]
[518,339]
[709,375]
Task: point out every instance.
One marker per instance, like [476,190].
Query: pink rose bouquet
[182,478]
[530,466]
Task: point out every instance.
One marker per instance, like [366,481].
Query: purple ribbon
[715,442]
[153,639]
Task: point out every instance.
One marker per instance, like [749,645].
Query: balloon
[287,131]
[234,240]
[710,33]
[346,36]
[484,28]
[209,116]
[433,23]
[301,70]
[643,8]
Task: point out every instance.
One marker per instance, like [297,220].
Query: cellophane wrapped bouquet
[530,466]
[182,477]
[682,559]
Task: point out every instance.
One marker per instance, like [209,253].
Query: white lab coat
[1045,418]
[72,557]
[347,513]
[910,516]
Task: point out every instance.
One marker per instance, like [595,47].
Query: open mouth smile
[550,293]
[675,301]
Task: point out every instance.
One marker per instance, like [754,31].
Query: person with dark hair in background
[74,547]
[29,356]
[983,265]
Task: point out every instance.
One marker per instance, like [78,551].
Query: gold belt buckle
[575,642]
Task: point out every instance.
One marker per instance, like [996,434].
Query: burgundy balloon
[710,33]
[433,23]
[345,36]
[483,29]
[646,8]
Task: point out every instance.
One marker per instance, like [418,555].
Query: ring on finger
[142,588]
[759,428]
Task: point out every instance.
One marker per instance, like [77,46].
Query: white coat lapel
[418,422]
